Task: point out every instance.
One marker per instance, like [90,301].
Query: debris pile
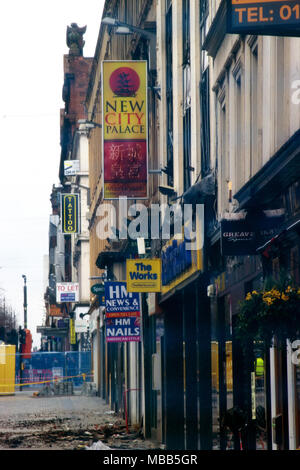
[59,388]
[89,389]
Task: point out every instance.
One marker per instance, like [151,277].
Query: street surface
[73,422]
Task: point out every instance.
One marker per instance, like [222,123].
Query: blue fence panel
[48,367]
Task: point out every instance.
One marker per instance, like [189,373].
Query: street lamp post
[124,28]
[21,337]
[25,301]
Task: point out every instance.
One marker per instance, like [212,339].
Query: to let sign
[67,292]
[266,17]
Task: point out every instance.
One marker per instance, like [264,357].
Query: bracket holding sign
[99,290]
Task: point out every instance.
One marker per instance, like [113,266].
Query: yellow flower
[248,296]
[284,297]
[276,293]
[254,292]
[268,300]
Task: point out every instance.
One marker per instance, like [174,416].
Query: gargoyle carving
[75,40]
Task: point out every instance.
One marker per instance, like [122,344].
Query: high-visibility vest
[259,367]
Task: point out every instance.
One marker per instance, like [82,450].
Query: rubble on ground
[70,431]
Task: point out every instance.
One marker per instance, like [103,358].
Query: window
[186,31]
[169,92]
[222,163]
[205,128]
[253,111]
[294,264]
[186,95]
[238,129]
[203,10]
[187,148]
[203,31]
[238,164]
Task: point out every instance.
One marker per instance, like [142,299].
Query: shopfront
[239,386]
[182,339]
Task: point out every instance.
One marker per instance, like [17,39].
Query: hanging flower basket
[267,314]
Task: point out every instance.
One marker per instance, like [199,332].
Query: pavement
[74,422]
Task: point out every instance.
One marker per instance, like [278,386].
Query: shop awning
[48,331]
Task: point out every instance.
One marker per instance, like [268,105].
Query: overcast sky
[33,42]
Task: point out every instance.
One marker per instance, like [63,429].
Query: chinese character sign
[124,106]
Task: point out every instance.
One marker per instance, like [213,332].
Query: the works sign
[69,213]
[143,275]
[265,17]
[124,125]
[242,236]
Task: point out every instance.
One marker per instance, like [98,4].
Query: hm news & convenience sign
[122,313]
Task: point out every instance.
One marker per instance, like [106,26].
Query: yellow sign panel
[72,332]
[124,100]
[124,114]
[143,275]
[69,213]
[7,369]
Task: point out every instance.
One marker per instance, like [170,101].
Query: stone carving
[75,40]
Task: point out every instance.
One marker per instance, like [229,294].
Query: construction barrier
[7,369]
[47,367]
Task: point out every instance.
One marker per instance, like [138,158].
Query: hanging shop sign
[143,275]
[242,236]
[178,264]
[182,259]
[122,329]
[124,111]
[119,302]
[266,17]
[99,290]
[72,331]
[81,324]
[55,311]
[69,213]
[71,167]
[67,292]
